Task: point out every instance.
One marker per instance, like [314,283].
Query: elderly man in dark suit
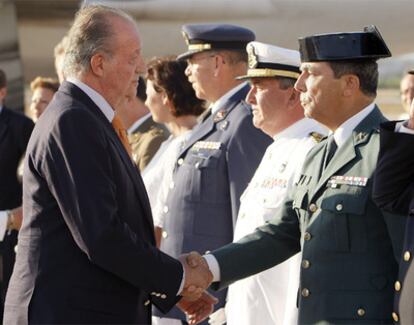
[224,150]
[86,247]
[15,130]
[394,192]
[350,249]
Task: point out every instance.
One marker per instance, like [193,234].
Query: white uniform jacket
[270,297]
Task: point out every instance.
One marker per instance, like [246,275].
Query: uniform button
[397,285]
[307,236]
[164,234]
[361,312]
[305,264]
[172,185]
[163,296]
[180,161]
[339,207]
[313,207]
[395,317]
[153,293]
[165,209]
[147,302]
[197,165]
[158,294]
[16,248]
[407,256]
[305,292]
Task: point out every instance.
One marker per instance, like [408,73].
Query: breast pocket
[206,176]
[343,219]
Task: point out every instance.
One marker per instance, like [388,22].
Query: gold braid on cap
[271,73]
[199,47]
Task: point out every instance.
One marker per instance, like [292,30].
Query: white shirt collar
[217,104]
[138,122]
[96,97]
[344,131]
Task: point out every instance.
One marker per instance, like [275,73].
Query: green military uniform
[145,141]
[350,248]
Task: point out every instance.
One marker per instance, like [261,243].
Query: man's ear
[351,84]
[98,64]
[294,97]
[219,61]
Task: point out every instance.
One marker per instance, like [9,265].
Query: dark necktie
[330,150]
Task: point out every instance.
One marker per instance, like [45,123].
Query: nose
[300,83]
[251,96]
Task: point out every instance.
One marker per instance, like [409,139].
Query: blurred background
[30,29]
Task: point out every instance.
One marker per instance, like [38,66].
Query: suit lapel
[132,170]
[350,149]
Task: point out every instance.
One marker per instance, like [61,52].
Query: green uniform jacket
[350,248]
[145,142]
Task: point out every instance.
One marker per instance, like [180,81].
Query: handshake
[197,303]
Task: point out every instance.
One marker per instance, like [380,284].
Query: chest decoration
[209,145]
[337,181]
[270,183]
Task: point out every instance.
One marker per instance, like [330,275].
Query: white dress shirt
[217,104]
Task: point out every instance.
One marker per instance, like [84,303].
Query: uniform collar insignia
[220,115]
[317,137]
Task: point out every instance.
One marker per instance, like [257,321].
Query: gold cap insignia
[252,57]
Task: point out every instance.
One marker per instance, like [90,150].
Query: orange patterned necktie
[122,134]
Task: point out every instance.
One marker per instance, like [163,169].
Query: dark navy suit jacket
[211,173]
[15,130]
[86,248]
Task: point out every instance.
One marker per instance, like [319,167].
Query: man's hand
[198,310]
[410,123]
[197,275]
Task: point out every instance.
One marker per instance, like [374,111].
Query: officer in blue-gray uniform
[221,156]
[350,249]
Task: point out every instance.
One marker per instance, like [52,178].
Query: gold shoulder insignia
[317,137]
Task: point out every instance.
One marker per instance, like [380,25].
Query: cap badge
[252,57]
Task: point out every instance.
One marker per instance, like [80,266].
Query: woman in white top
[172,101]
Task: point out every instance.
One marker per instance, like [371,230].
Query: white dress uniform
[270,296]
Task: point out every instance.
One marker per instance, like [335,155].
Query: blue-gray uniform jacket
[212,171]
[350,249]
